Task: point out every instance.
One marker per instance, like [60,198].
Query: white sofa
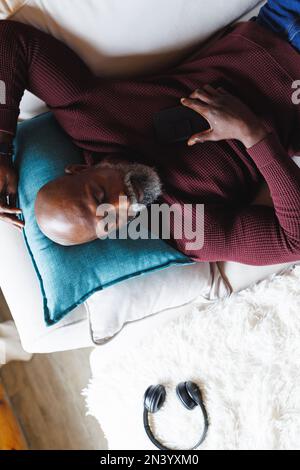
[114,37]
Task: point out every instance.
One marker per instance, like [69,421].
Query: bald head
[62,215]
[66,208]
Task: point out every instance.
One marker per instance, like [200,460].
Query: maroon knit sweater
[103,116]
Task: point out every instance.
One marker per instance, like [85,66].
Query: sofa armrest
[21,289]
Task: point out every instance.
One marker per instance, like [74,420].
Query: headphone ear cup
[154,398]
[186,394]
[194,392]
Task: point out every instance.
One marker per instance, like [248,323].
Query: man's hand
[228,117]
[8,191]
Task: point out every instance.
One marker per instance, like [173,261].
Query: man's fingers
[12,200]
[196,105]
[9,210]
[222,91]
[200,138]
[203,96]
[18,226]
[211,90]
[207,94]
[3,198]
[12,220]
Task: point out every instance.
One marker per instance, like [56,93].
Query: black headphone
[189,395]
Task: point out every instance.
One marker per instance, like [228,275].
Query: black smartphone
[178,124]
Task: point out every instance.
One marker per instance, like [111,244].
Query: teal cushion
[69,275]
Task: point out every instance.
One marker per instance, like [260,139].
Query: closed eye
[100,196]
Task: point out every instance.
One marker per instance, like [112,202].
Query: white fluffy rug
[244,352]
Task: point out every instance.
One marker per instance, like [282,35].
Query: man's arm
[256,235]
[33,60]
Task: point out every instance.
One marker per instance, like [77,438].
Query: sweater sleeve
[11,93]
[283,178]
[36,61]
[256,235]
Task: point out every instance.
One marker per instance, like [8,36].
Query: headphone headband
[190,396]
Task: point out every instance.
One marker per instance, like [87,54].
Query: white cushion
[241,276]
[132,35]
[144,296]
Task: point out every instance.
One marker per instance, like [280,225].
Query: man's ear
[75,169]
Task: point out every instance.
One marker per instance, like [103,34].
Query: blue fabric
[282,17]
[69,275]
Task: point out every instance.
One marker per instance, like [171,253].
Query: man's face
[67,209]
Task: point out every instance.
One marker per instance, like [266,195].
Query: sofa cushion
[69,275]
[114,36]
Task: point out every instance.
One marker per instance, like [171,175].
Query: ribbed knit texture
[103,116]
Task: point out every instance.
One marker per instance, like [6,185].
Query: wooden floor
[46,398]
[11,436]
